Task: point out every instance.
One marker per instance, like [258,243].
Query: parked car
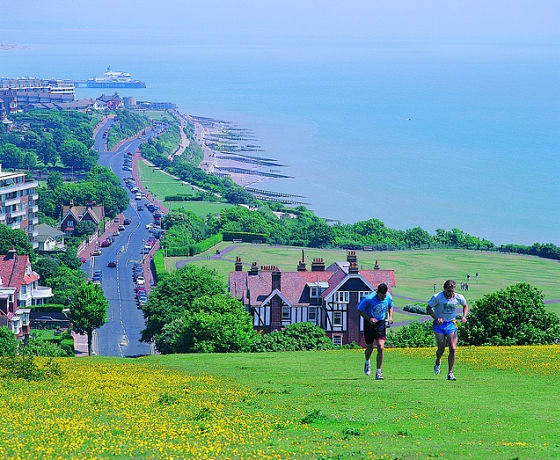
[127,221]
[121,228]
[96,252]
[105,243]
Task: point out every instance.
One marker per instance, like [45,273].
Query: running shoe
[436,368]
[367,368]
[379,376]
[451,376]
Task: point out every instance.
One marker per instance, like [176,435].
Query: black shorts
[372,332]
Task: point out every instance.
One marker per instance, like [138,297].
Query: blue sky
[244,20]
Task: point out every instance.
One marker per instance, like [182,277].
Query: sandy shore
[214,161]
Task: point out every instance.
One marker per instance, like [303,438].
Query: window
[70,223]
[286,313]
[337,340]
[314,292]
[342,296]
[312,314]
[337,318]
[362,294]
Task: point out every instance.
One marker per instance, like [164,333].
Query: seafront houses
[18,203]
[72,214]
[325,296]
[19,290]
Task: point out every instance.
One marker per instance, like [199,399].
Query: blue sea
[414,133]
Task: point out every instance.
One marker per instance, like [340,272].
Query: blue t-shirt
[375,308]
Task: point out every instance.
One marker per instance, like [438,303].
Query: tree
[75,154]
[512,316]
[11,156]
[174,295]
[18,239]
[8,342]
[88,310]
[54,180]
[217,324]
[46,150]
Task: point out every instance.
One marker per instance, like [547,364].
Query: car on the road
[127,221]
[105,243]
[96,252]
[111,264]
[121,228]
[116,233]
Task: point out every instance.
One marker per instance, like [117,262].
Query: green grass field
[301,405]
[415,271]
[161,184]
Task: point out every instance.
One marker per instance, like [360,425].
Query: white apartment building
[18,203]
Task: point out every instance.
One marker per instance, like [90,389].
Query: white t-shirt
[446,308]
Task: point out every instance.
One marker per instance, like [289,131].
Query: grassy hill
[415,271]
[505,404]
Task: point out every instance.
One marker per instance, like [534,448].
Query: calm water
[455,136]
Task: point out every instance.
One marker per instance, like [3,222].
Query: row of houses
[325,296]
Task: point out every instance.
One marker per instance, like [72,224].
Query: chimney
[238,264]
[351,257]
[276,279]
[301,265]
[11,255]
[254,269]
[318,265]
[353,270]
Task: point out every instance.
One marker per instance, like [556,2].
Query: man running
[375,308]
[442,308]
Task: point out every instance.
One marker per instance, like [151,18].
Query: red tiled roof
[258,287]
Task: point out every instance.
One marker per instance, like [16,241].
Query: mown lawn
[505,404]
[162,185]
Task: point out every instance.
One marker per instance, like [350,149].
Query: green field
[415,271]
[298,405]
[160,185]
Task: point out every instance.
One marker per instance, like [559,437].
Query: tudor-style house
[71,215]
[19,290]
[325,296]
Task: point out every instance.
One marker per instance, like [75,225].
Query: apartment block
[18,203]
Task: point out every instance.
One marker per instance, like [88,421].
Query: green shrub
[414,334]
[294,337]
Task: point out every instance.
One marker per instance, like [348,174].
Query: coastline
[225,152]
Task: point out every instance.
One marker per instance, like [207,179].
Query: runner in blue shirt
[376,308]
[442,308]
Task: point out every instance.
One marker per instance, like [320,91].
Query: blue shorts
[448,327]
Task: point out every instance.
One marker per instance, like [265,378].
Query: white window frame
[286,313]
[312,314]
[337,318]
[342,296]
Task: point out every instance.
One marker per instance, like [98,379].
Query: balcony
[18,213]
[41,293]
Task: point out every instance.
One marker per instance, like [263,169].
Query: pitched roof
[254,289]
[13,269]
[46,231]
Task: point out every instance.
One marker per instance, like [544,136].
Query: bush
[512,316]
[414,334]
[420,309]
[294,337]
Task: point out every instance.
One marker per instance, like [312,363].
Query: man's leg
[452,339]
[440,340]
[380,352]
